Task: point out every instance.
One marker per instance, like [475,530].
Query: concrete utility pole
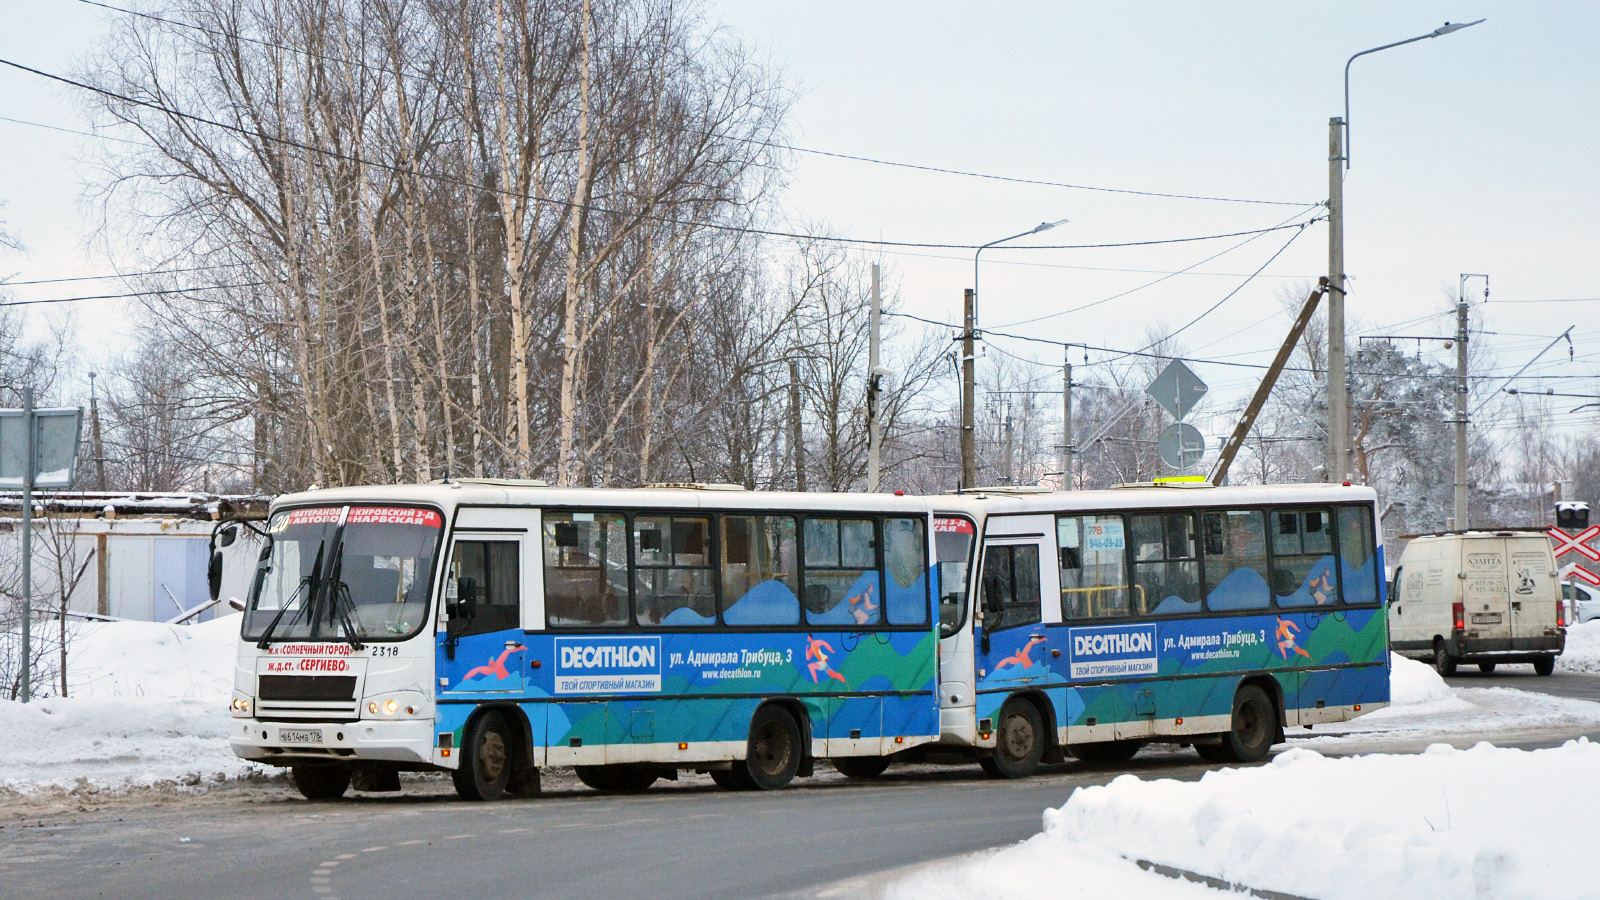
[1006,474]
[874,388]
[969,452]
[796,445]
[1066,424]
[32,449]
[1338,390]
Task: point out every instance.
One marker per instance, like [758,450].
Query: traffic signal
[1572,515]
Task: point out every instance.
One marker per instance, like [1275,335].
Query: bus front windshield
[952,544]
[364,579]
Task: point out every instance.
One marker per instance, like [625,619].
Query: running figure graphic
[814,648]
[1286,642]
[1021,658]
[496,667]
[862,607]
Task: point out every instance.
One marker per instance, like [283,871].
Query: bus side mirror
[227,536]
[466,606]
[993,587]
[214,574]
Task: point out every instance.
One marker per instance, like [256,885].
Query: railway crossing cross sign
[1569,543]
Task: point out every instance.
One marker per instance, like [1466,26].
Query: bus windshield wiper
[311,582]
[339,598]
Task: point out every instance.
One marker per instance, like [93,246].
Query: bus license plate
[1486,618]
[288,736]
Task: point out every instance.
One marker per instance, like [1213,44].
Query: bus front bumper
[293,743]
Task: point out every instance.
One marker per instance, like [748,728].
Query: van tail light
[1561,614]
[1458,612]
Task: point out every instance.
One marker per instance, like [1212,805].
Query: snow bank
[147,705]
[1412,683]
[1486,823]
[1583,648]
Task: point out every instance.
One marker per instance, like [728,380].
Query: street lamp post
[969,335]
[1338,162]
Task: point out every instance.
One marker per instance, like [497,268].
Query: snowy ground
[146,705]
[1487,823]
[1583,649]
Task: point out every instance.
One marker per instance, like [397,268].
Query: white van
[1482,597]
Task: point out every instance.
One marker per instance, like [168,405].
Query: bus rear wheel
[1254,726]
[1018,742]
[321,782]
[486,759]
[773,755]
[861,766]
[725,779]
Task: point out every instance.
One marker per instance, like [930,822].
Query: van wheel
[773,757]
[321,782]
[1019,741]
[1486,668]
[485,759]
[1254,725]
[1443,662]
[861,766]
[1544,665]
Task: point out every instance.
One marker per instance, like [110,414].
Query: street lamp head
[1448,27]
[1046,226]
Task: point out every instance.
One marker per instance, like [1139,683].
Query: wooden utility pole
[796,446]
[1230,449]
[874,388]
[1066,424]
[969,452]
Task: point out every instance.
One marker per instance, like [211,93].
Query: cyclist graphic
[862,607]
[1321,588]
[1286,642]
[814,648]
[1022,657]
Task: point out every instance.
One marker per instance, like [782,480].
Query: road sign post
[38,448]
[1177,390]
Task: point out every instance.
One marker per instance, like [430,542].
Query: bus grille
[320,698]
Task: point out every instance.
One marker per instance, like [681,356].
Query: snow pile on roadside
[1583,648]
[1415,689]
[147,705]
[149,659]
[1485,822]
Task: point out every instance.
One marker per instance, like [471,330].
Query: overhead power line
[776,145]
[119,275]
[589,207]
[160,293]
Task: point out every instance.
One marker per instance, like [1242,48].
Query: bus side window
[905,563]
[674,575]
[1094,570]
[1358,554]
[760,571]
[1166,564]
[952,543]
[493,570]
[1236,560]
[1302,558]
[585,568]
[841,584]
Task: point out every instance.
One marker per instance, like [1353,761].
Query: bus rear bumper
[287,743]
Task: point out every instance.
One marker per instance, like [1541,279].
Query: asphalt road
[1521,677]
[684,839]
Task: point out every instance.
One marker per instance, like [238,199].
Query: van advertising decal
[1112,651]
[608,665]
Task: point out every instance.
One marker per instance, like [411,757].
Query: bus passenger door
[1014,646]
[483,648]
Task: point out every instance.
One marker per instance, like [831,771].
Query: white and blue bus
[490,629]
[1176,612]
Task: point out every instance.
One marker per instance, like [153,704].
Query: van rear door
[1485,587]
[1534,590]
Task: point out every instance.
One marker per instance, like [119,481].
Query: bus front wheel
[773,756]
[321,782]
[1254,726]
[485,760]
[1019,742]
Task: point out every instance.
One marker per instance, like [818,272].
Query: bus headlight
[240,707]
[400,706]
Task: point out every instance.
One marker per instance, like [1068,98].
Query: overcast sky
[1474,152]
